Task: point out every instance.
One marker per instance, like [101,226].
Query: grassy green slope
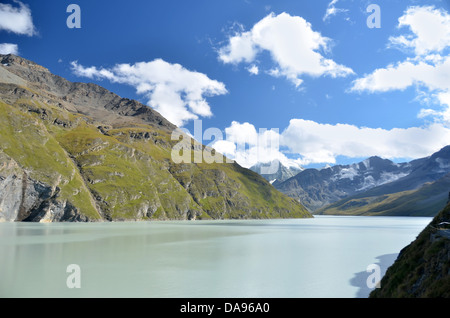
[128,183]
[425,201]
[423,267]
[125,172]
[25,138]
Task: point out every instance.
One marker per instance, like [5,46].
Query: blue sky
[336,90]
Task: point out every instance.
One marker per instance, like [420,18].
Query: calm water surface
[322,257]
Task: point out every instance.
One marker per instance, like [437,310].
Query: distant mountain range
[422,192]
[317,188]
[78,152]
[374,186]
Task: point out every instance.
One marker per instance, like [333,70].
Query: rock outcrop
[25,199]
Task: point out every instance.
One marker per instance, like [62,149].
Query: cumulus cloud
[240,48]
[312,142]
[253,69]
[294,46]
[430,30]
[242,133]
[249,146]
[428,70]
[433,76]
[16,19]
[175,92]
[318,143]
[9,48]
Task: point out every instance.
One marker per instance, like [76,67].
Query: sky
[309,83]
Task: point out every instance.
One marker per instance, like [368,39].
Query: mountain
[275,172]
[422,192]
[422,269]
[316,188]
[78,152]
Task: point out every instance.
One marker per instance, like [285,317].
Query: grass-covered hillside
[76,152]
[423,268]
[424,201]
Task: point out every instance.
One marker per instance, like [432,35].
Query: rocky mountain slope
[422,269]
[78,152]
[422,192]
[316,188]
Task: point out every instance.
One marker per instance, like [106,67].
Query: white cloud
[319,143]
[92,72]
[177,93]
[253,69]
[242,133]
[249,146]
[226,148]
[428,71]
[16,19]
[430,29]
[332,10]
[444,99]
[292,43]
[312,142]
[9,48]
[442,114]
[433,76]
[239,49]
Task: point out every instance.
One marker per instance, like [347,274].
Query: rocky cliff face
[77,152]
[422,269]
[25,199]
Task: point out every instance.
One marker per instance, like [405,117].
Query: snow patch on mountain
[347,173]
[385,177]
[366,163]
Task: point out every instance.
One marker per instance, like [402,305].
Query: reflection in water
[266,258]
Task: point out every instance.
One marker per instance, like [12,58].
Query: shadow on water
[360,279]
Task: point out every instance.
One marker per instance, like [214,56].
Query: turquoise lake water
[322,257]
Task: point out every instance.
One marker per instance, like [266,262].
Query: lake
[322,257]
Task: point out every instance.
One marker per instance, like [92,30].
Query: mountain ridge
[74,96]
[316,188]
